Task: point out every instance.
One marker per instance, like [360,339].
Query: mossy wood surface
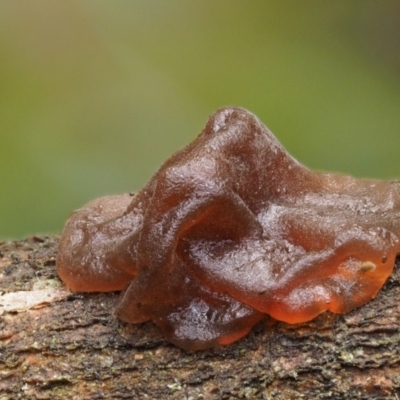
[60,345]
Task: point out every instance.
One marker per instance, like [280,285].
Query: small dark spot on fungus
[229,229]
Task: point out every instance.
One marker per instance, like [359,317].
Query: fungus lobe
[229,229]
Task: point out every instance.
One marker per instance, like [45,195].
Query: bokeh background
[95,95]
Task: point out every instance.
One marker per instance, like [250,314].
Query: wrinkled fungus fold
[231,228]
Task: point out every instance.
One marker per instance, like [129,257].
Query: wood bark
[60,345]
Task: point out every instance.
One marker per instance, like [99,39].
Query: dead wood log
[60,345]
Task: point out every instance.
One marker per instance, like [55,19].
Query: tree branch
[60,345]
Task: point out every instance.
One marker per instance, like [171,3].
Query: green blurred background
[95,95]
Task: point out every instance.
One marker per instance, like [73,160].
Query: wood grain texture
[60,345]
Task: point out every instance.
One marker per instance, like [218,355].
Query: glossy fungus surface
[229,229]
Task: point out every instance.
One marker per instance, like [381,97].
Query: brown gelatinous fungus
[231,228]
